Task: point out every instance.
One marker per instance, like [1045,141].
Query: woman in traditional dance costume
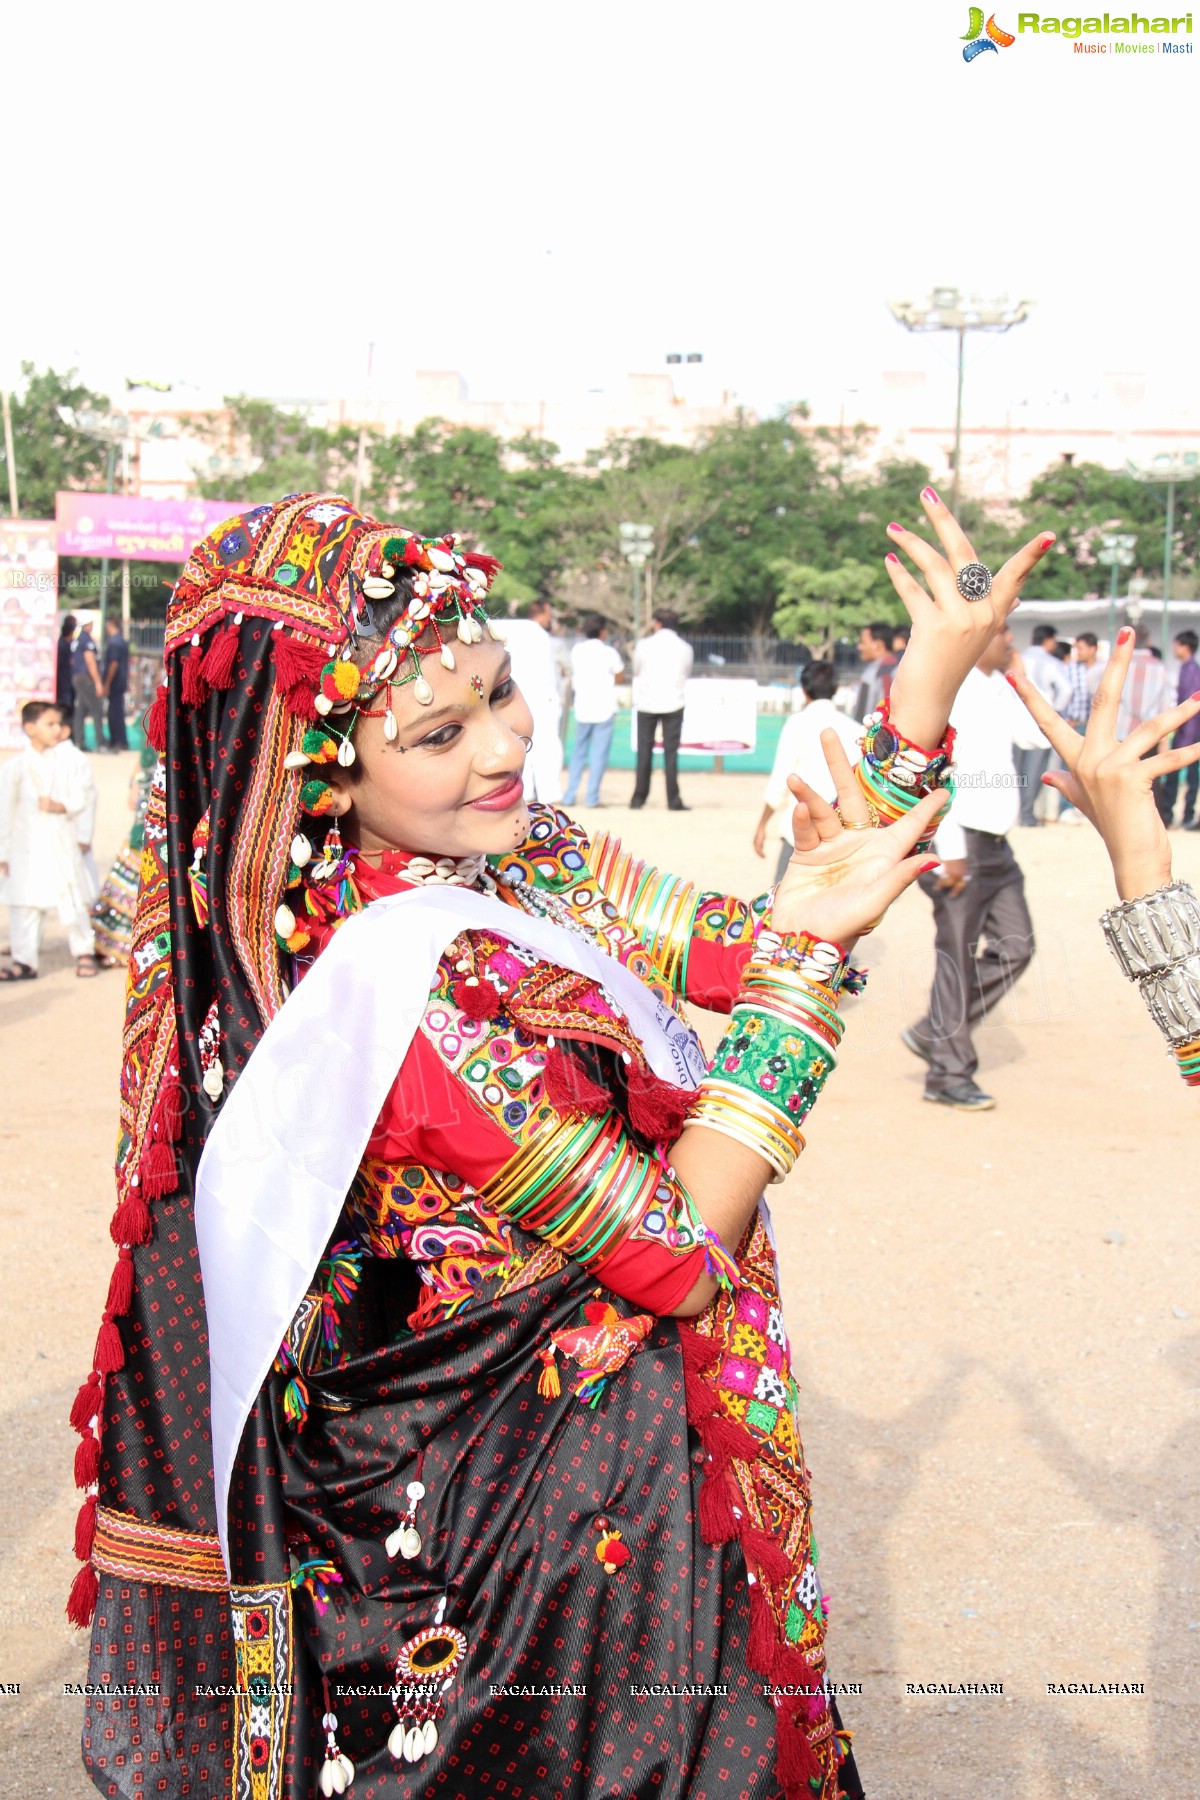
[441,1438]
[1154,932]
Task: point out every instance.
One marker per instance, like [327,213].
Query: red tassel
[791,1668]
[657,1109]
[701,1401]
[479,559]
[81,1603]
[717,1523]
[158,1171]
[297,665]
[699,1353]
[86,1403]
[87,1460]
[120,1287]
[723,1438]
[195,688]
[795,1761]
[85,1528]
[769,1560]
[763,1639]
[110,1351]
[155,722]
[131,1222]
[301,702]
[569,1087]
[172,1102]
[222,655]
[478,1002]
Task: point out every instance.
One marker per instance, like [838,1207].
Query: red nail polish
[1195,696]
[1011,680]
[1125,635]
[928,494]
[894,527]
[891,557]
[1047,541]
[927,867]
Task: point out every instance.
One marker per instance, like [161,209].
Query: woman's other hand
[845,872]
[949,634]
[1111,780]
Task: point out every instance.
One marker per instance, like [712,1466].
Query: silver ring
[527,741]
[974,581]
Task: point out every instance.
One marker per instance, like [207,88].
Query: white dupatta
[283,1151]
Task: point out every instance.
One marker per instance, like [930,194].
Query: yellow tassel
[549,1386]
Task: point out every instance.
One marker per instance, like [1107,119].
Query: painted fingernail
[1125,635]
[894,527]
[1047,541]
[927,867]
[891,557]
[1195,696]
[1011,680]
[930,495]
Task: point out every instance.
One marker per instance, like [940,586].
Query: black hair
[904,631]
[664,616]
[1089,638]
[67,628]
[818,681]
[32,710]
[1189,640]
[881,631]
[1042,633]
[593,625]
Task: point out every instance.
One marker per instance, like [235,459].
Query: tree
[1082,502]
[50,453]
[830,603]
[266,451]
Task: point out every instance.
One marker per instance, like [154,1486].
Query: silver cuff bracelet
[1156,941]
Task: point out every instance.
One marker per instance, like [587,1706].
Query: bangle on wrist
[1156,941]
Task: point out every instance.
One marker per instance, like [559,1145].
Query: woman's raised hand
[949,634]
[845,872]
[1109,779]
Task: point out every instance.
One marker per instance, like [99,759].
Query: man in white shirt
[1051,680]
[41,869]
[595,666]
[1147,690]
[799,752]
[979,892]
[662,663]
[535,671]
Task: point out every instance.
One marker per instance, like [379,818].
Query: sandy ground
[994,1319]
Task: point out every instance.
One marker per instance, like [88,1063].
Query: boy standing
[40,864]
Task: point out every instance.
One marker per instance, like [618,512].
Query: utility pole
[10,459]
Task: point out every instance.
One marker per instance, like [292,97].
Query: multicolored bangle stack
[895,773]
[1156,941]
[584,1187]
[780,1048]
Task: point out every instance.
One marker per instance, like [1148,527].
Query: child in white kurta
[41,869]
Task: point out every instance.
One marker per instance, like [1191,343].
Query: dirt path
[994,1319]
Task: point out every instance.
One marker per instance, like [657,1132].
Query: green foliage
[288,454]
[1081,502]
[49,453]
[824,604]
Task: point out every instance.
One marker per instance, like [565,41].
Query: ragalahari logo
[974,41]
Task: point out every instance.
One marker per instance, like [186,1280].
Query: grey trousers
[89,704]
[969,980]
[1030,765]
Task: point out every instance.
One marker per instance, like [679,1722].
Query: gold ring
[857,825]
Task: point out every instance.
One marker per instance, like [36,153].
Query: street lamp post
[636,544]
[946,310]
[1168,469]
[1118,551]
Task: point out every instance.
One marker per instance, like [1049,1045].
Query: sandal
[85,967]
[18,972]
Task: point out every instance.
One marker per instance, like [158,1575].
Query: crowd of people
[91,686]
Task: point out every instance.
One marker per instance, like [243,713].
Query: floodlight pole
[1165,639]
[962,342]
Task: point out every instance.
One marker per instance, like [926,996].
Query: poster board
[28,620]
[720,718]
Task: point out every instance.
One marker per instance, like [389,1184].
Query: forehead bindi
[477,670]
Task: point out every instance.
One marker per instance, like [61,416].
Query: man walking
[87,682]
[595,666]
[1166,788]
[979,893]
[115,679]
[1050,679]
[662,663]
[535,671]
[879,665]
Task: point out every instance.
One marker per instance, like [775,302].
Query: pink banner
[131,528]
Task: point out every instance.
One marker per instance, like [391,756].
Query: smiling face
[450,782]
